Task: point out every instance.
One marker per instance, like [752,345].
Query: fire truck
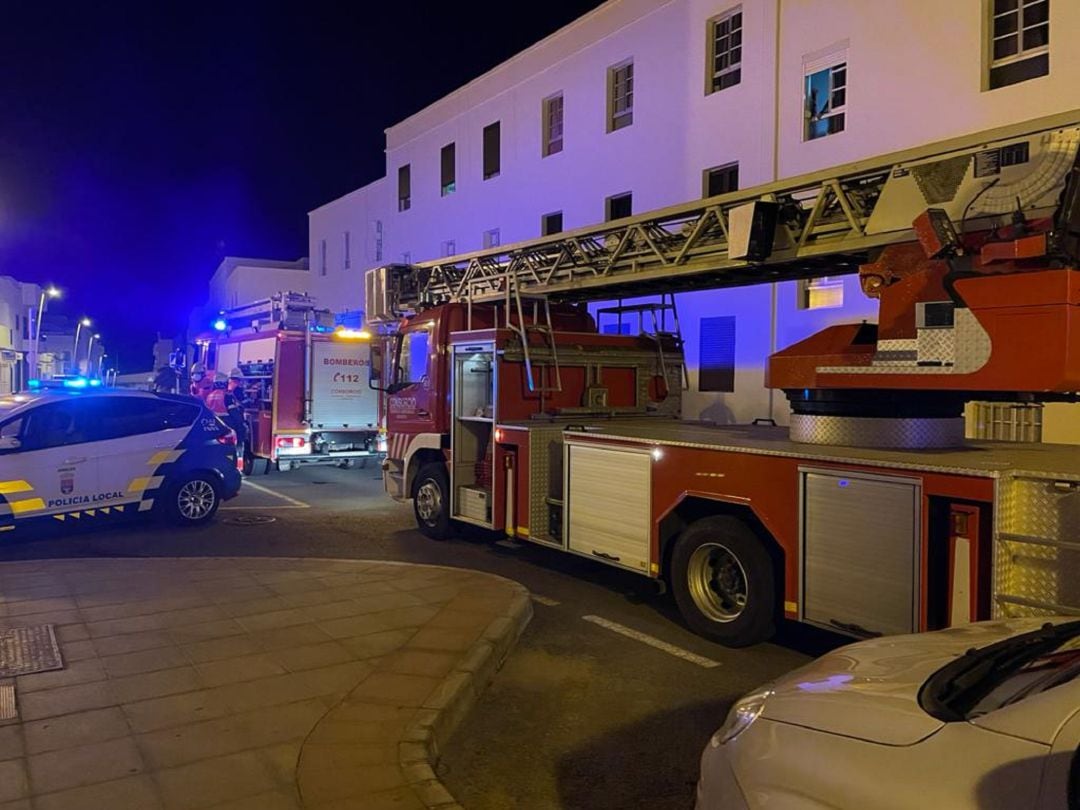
[304,382]
[870,513]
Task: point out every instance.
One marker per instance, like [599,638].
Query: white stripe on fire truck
[644,638]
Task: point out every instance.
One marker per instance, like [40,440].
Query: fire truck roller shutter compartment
[608,504]
[341,397]
[860,540]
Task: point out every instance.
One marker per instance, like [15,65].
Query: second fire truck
[870,514]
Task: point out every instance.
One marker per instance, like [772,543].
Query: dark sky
[140,142]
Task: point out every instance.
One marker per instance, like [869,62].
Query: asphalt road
[583,714]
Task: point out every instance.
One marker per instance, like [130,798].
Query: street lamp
[46,293]
[75,351]
[90,354]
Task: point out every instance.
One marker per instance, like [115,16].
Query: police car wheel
[193,500]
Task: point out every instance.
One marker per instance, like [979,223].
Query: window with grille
[619,206]
[491,150]
[721,180]
[620,96]
[551,223]
[553,125]
[826,101]
[716,358]
[725,50]
[448,170]
[1020,41]
[491,238]
[449,247]
[404,188]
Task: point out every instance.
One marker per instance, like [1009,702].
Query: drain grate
[8,710]
[249,520]
[24,650]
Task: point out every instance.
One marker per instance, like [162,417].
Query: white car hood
[870,690]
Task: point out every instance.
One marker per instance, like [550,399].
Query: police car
[70,451]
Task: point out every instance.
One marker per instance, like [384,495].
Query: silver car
[981,716]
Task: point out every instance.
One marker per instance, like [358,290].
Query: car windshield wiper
[956,688]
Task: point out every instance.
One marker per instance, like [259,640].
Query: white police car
[73,452]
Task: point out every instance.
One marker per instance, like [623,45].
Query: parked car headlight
[745,711]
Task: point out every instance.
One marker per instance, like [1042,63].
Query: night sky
[141,142]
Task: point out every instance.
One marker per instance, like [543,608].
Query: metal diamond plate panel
[24,650]
[1037,554]
[847,431]
[936,346]
[545,461]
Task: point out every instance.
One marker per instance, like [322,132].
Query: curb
[443,711]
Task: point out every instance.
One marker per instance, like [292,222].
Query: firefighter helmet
[236,374]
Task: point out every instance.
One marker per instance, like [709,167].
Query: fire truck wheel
[722,579]
[193,500]
[431,501]
[248,466]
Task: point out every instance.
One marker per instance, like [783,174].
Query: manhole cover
[249,520]
[29,649]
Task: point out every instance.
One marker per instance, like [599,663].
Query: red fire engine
[304,382]
[870,514]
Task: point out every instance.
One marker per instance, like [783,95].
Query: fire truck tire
[431,501]
[192,500]
[248,465]
[723,582]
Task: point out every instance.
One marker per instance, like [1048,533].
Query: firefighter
[201,384]
[222,402]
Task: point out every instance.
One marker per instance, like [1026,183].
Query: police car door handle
[78,460]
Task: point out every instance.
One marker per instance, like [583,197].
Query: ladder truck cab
[304,382]
[870,513]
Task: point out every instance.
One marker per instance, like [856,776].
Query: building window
[1020,41]
[347,251]
[491,151]
[491,238]
[720,180]
[826,292]
[447,183]
[377,239]
[725,50]
[716,358]
[406,257]
[404,187]
[551,223]
[619,206]
[449,247]
[825,97]
[620,96]
[322,257]
[552,125]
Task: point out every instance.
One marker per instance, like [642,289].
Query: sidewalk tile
[11,742]
[265,692]
[78,651]
[203,784]
[84,765]
[437,638]
[376,644]
[421,662]
[235,670]
[131,642]
[310,656]
[281,760]
[52,605]
[133,688]
[410,617]
[181,745]
[329,772]
[296,636]
[278,800]
[132,793]
[207,630]
[136,663]
[118,627]
[291,722]
[13,781]
[270,621]
[252,607]
[174,710]
[72,632]
[400,798]
[353,626]
[333,610]
[395,689]
[338,678]
[73,730]
[76,672]
[65,700]
[217,648]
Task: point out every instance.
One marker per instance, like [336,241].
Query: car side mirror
[9,443]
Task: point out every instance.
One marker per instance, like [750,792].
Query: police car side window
[59,424]
[12,429]
[134,416]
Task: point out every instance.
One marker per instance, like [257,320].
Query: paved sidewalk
[258,683]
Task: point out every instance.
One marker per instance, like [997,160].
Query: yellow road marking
[11,487]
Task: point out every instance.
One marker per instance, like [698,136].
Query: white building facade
[642,104]
[18,305]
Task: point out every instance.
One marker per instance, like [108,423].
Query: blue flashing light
[843,482]
[33,383]
[221,324]
[76,382]
[95,383]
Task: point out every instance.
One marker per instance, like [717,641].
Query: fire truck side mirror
[375,367]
